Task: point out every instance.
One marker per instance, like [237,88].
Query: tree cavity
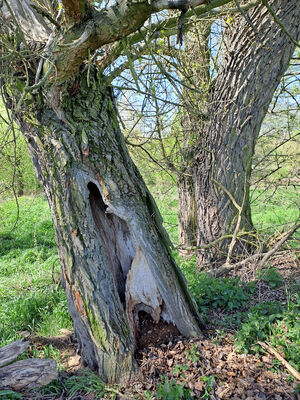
[133,277]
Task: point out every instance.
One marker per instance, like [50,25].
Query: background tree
[239,101]
[17,175]
[223,207]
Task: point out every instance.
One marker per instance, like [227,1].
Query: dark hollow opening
[117,240]
[107,231]
[95,196]
[151,334]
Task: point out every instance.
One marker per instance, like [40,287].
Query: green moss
[84,139]
[126,329]
[97,331]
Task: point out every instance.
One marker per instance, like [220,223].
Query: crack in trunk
[134,281]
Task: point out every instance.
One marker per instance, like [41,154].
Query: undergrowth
[272,322]
[210,292]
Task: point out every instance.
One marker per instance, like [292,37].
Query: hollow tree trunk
[252,67]
[195,62]
[114,252]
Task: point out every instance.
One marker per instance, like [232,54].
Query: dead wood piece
[28,374]
[270,350]
[11,351]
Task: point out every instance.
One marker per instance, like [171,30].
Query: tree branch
[264,257]
[275,353]
[76,10]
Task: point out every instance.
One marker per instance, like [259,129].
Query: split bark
[110,237]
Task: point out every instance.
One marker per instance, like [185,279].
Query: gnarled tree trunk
[113,249]
[252,67]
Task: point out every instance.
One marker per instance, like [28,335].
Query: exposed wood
[33,25]
[142,293]
[11,351]
[28,374]
[288,366]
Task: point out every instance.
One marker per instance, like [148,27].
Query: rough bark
[186,214]
[195,62]
[252,67]
[112,246]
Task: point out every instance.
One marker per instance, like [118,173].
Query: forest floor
[227,362]
[210,367]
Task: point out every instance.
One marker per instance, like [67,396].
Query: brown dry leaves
[236,376]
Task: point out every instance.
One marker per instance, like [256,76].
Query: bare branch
[288,366]
[264,257]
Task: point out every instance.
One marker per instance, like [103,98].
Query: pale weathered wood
[11,351]
[28,374]
[275,353]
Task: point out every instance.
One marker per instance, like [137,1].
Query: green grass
[273,211]
[167,204]
[29,299]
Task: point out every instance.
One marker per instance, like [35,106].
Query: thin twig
[263,256]
[278,244]
[278,22]
[288,366]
